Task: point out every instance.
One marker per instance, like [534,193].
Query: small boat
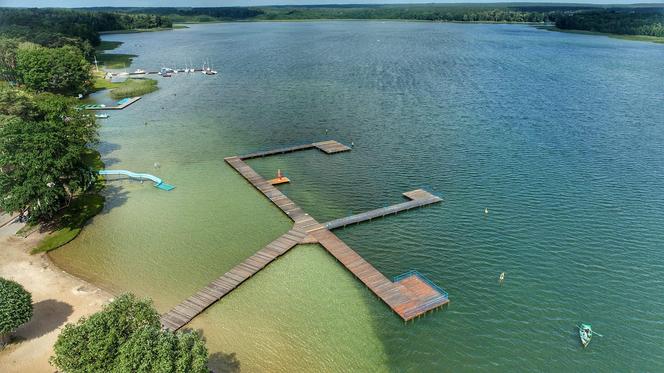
[586,334]
[166,75]
[101,116]
[139,71]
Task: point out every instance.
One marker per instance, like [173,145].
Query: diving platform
[158,183]
[409,295]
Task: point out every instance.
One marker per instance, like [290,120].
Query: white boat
[101,116]
[139,71]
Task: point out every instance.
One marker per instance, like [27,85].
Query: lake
[558,135]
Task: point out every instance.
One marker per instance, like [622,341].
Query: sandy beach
[57,296]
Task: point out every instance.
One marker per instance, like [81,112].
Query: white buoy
[486,210]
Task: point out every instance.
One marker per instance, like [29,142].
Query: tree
[15,308]
[43,142]
[58,70]
[8,49]
[93,344]
[126,337]
[153,350]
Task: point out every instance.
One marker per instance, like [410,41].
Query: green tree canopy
[57,70]
[43,140]
[153,350]
[126,337]
[15,308]
[93,344]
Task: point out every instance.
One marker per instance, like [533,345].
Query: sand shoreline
[58,298]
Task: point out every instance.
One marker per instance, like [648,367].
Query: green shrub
[126,337]
[15,308]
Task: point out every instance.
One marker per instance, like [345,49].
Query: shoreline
[58,298]
[644,38]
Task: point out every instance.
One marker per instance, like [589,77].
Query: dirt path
[58,298]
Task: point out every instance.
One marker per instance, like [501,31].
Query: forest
[621,21]
[58,27]
[627,20]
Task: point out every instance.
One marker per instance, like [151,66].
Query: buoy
[352,144]
[486,210]
[501,278]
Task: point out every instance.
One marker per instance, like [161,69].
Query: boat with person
[586,334]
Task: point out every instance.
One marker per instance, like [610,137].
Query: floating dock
[408,295]
[118,105]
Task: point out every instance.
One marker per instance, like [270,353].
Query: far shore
[58,298]
[541,25]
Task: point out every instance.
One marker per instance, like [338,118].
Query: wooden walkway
[419,198]
[329,147]
[410,296]
[129,101]
[217,289]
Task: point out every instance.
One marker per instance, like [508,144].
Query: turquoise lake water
[560,136]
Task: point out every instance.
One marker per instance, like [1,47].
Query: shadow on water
[108,162]
[48,315]
[105,148]
[115,196]
[219,362]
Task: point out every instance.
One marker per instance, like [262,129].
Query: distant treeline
[622,21]
[58,27]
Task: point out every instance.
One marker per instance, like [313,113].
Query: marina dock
[408,295]
[118,106]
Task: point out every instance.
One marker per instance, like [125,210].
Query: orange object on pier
[280,179]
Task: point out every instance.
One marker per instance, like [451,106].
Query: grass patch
[112,60]
[115,60]
[70,220]
[129,88]
[107,45]
[134,87]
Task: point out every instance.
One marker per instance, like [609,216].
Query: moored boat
[586,334]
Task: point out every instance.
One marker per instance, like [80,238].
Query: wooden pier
[409,295]
[418,198]
[329,147]
[124,104]
[217,289]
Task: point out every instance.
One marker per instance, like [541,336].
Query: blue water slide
[158,183]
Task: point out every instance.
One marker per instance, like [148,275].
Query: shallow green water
[559,135]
